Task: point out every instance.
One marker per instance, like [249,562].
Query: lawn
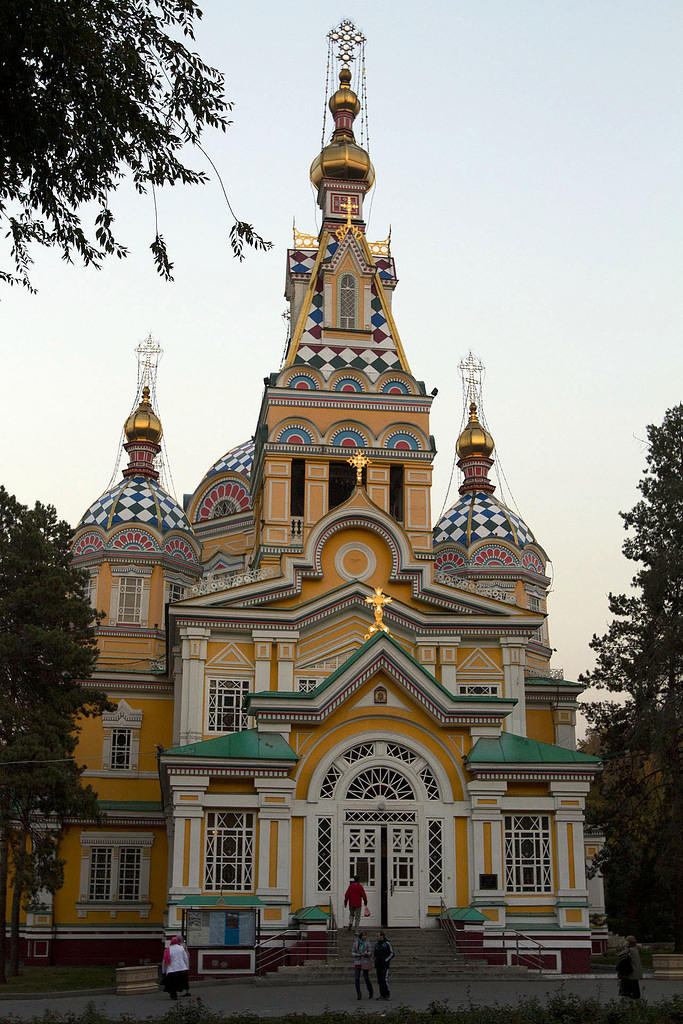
[59,979]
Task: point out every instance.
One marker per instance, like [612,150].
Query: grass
[59,979]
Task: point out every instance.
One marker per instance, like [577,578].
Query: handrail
[527,938]
[262,962]
[448,927]
[462,946]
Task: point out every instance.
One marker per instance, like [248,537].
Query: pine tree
[47,654]
[640,657]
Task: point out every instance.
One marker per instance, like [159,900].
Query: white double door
[385,859]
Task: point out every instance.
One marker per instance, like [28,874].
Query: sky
[529,161]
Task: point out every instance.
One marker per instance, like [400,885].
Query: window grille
[225,507]
[130,860]
[435,855]
[90,590]
[176,592]
[380,782]
[359,752]
[100,873]
[130,599]
[324,854]
[226,705]
[376,817]
[400,753]
[527,853]
[329,783]
[347,301]
[430,784]
[121,746]
[306,685]
[479,689]
[229,851]
[362,855]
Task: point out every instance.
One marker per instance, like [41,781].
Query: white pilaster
[194,643]
[514,660]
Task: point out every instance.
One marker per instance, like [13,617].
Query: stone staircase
[420,953]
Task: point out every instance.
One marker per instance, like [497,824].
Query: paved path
[278,1000]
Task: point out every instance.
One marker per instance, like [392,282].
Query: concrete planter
[136,979]
[668,965]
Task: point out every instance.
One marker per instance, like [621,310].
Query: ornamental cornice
[219,769]
[534,775]
[380,402]
[132,556]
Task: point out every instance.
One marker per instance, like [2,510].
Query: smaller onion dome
[137,500]
[342,157]
[237,460]
[143,424]
[475,441]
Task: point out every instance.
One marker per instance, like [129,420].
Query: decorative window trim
[241,683]
[325,854]
[116,842]
[347,314]
[129,572]
[528,853]
[307,684]
[229,843]
[435,856]
[124,717]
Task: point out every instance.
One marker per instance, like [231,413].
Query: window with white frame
[348,288]
[130,599]
[121,736]
[435,855]
[90,590]
[115,868]
[225,705]
[121,747]
[229,851]
[306,684]
[527,853]
[176,591]
[324,847]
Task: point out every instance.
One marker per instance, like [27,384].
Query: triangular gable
[478,665]
[228,657]
[380,654]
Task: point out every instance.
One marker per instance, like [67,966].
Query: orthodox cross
[347,40]
[348,206]
[378,601]
[472,370]
[359,462]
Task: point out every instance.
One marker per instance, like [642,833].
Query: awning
[230,901]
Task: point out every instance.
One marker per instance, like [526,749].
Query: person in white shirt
[175,967]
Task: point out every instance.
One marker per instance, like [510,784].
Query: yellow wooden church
[310,680]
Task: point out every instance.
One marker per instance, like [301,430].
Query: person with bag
[354,898]
[629,970]
[175,967]
[384,953]
[360,951]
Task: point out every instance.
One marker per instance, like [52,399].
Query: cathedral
[309,679]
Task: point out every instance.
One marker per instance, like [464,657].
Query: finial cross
[359,462]
[378,601]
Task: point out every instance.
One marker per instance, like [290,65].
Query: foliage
[61,979]
[640,657]
[47,650]
[94,90]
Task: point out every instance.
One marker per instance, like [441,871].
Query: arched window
[380,781]
[348,301]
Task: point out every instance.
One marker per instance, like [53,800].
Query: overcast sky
[529,160]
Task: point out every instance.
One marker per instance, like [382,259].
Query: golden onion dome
[342,157]
[144,424]
[474,440]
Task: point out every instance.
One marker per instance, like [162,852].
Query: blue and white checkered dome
[140,500]
[237,460]
[478,516]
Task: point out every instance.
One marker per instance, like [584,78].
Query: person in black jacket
[384,953]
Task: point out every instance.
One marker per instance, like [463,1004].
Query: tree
[47,654]
[641,658]
[92,90]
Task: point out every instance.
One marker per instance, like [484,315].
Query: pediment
[478,665]
[230,656]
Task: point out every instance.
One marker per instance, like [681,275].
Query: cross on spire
[378,601]
[359,462]
[347,40]
[472,370]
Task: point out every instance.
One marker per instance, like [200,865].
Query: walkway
[276,1001]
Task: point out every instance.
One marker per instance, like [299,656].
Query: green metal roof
[249,744]
[510,749]
[311,914]
[464,914]
[377,638]
[231,900]
[548,681]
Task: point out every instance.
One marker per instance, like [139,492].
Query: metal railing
[292,947]
[520,950]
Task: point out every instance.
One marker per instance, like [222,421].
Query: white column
[487,846]
[514,660]
[194,643]
[571,888]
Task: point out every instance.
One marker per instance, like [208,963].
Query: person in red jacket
[354,899]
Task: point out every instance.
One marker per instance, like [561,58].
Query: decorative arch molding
[301,380]
[133,538]
[348,381]
[180,549]
[89,543]
[231,489]
[532,562]
[403,438]
[494,555]
[296,433]
[350,435]
[416,759]
[450,560]
[395,384]
[400,552]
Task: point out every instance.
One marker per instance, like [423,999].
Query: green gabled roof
[510,749]
[310,914]
[363,649]
[233,900]
[137,806]
[250,744]
[464,914]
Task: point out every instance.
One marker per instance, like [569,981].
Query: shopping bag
[366,912]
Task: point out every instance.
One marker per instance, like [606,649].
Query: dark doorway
[298,484]
[396,493]
[342,483]
[383,879]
